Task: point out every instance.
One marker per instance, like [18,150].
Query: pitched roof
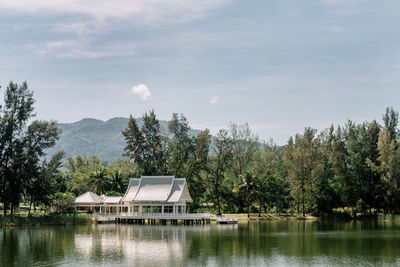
[154,188]
[176,190]
[111,200]
[157,188]
[88,198]
[132,189]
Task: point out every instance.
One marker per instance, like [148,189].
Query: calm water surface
[276,243]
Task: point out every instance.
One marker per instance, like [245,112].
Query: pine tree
[147,147]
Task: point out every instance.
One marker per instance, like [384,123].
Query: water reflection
[275,243]
[139,244]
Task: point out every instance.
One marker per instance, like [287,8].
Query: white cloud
[142,91]
[81,48]
[140,11]
[214,99]
[81,27]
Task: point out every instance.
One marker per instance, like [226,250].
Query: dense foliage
[354,167]
[23,175]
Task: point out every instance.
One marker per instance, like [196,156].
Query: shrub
[50,219]
[63,202]
[114,194]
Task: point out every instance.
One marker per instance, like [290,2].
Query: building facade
[165,195]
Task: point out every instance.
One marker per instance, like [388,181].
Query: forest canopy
[355,166]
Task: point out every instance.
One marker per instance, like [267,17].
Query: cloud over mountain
[142,91]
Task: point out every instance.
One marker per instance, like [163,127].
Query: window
[135,209]
[146,209]
[157,209]
[179,209]
[168,209]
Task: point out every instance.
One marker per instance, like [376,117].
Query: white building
[157,194]
[97,204]
[146,195]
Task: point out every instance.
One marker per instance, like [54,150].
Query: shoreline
[82,219]
[266,217]
[242,217]
[45,220]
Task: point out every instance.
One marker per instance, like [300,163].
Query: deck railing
[157,216]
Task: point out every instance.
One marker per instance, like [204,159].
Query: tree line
[351,167]
[354,166]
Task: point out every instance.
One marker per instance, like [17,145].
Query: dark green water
[277,243]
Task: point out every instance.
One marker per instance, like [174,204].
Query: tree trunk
[304,214]
[5,208]
[218,206]
[30,206]
[248,211]
[231,209]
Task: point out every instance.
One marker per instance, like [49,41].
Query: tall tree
[300,159]
[389,161]
[43,182]
[218,166]
[245,146]
[362,183]
[390,122]
[248,188]
[188,155]
[326,194]
[146,147]
[180,145]
[21,145]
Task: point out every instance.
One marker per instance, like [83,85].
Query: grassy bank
[49,219]
[266,216]
[242,217]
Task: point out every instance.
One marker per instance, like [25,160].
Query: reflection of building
[136,246]
[148,197]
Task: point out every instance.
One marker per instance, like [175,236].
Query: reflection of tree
[28,245]
[256,243]
[292,242]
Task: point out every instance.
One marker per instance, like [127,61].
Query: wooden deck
[153,218]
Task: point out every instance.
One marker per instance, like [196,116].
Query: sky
[280,65]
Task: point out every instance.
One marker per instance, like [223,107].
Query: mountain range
[96,137]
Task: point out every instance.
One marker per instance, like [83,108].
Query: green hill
[96,137]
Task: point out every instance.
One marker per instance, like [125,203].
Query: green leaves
[21,148]
[99,180]
[147,147]
[187,156]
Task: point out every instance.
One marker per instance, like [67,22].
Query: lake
[272,243]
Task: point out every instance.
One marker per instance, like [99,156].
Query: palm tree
[99,181]
[117,181]
[247,187]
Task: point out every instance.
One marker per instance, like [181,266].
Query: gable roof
[157,188]
[111,200]
[176,190]
[88,198]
